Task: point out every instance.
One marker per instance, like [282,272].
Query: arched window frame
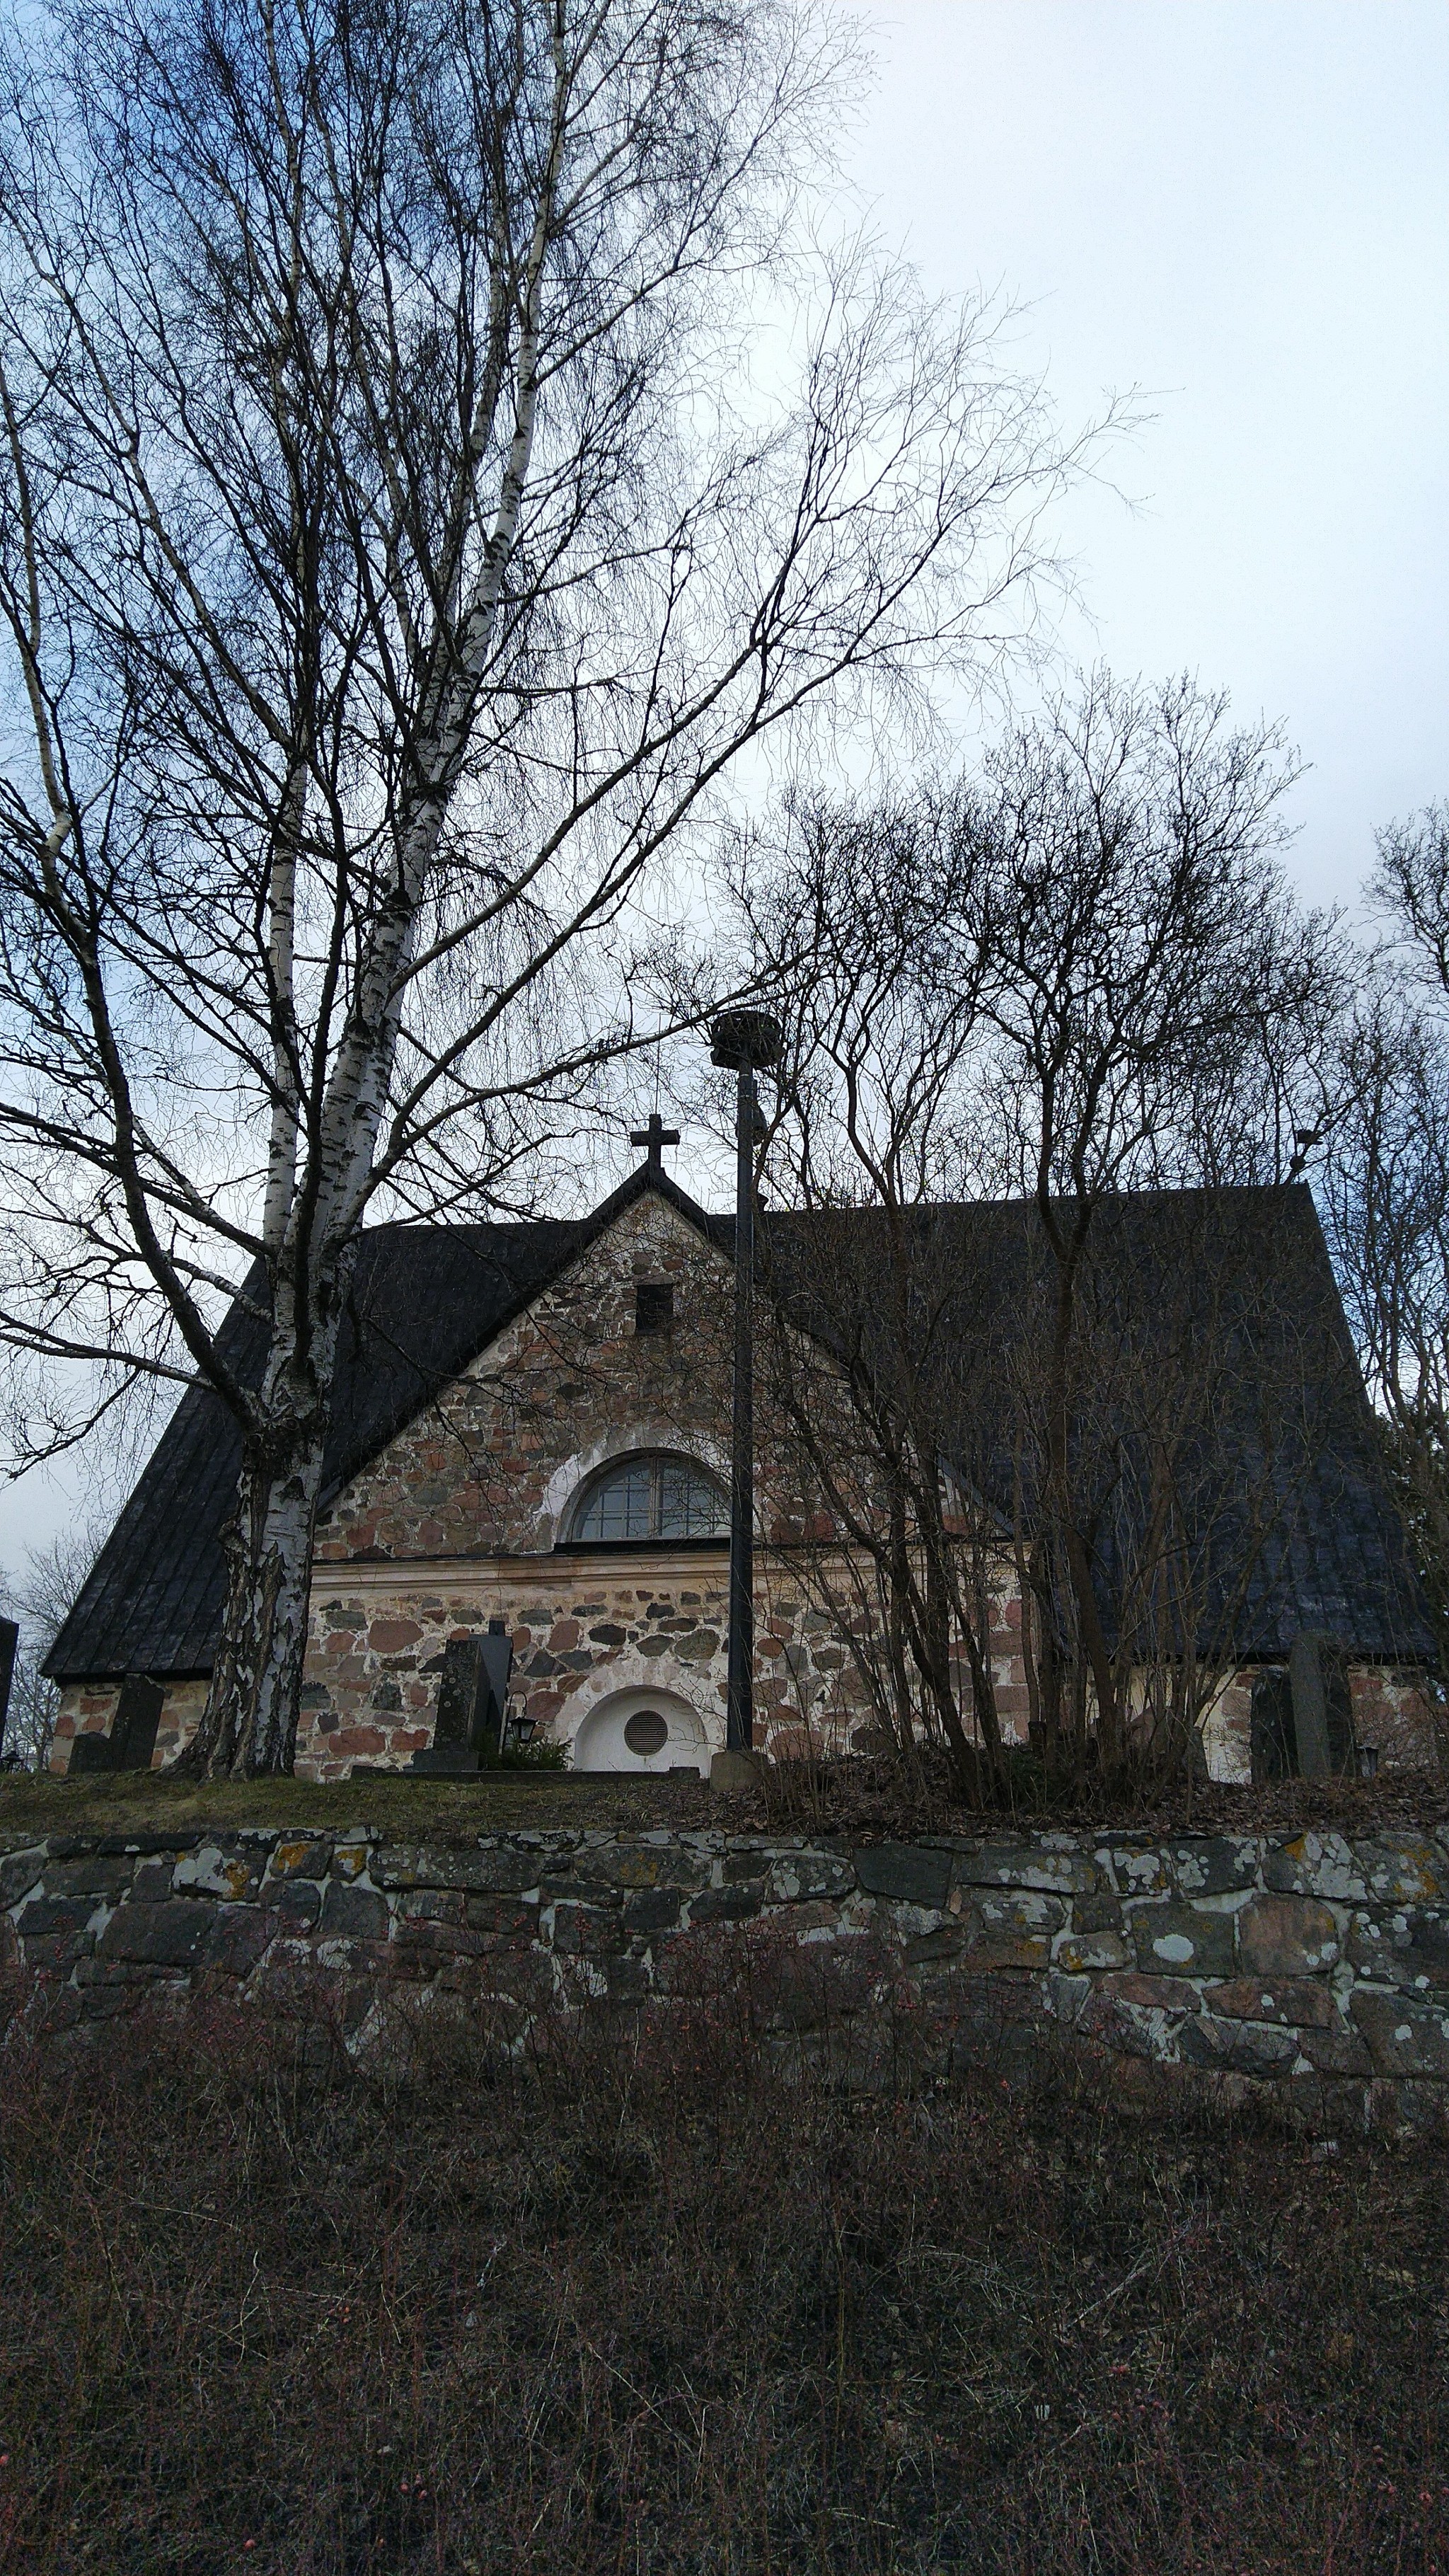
[658,1462]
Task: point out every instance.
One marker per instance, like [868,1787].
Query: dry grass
[642,2303]
[852,1797]
[857,1796]
[403,1808]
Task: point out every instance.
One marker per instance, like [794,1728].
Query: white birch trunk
[250,1721]
[250,1725]
[358,1088]
[281,963]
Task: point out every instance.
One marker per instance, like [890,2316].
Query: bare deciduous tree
[1386,1185]
[1158,1017]
[39,1599]
[434,451]
[1080,977]
[875,1363]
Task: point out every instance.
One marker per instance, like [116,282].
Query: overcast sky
[1241,206]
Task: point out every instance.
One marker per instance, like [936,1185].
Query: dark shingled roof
[423,1303]
[1282,1475]
[426,1300]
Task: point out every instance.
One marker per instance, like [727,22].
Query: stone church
[530,1439]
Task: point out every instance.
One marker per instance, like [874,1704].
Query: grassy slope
[644,2306]
[404,1810]
[849,1797]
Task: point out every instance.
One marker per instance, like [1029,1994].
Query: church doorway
[641,1730]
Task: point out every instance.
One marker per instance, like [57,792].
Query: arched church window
[651,1495]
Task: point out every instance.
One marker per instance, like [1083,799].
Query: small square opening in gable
[653,1305]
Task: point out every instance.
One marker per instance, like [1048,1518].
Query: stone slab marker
[9,1641]
[138,1716]
[1310,1705]
[132,1739]
[472,1701]
[1272,1745]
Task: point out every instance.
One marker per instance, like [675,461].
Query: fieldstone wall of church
[371,1695]
[464,1518]
[1311,1969]
[580,1630]
[491,1469]
[583,1628]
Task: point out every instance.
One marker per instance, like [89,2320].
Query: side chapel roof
[426,1300]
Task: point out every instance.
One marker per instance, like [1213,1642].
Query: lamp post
[743,1041]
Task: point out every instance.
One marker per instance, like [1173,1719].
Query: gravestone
[138,1715]
[457,1726]
[472,1698]
[1271,1728]
[1338,1709]
[90,1753]
[1302,1719]
[1310,1709]
[1322,1707]
[132,1739]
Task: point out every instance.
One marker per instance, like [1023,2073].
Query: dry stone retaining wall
[1314,1969]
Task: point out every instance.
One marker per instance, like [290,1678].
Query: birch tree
[436,449]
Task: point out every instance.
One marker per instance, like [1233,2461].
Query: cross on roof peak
[656,1136]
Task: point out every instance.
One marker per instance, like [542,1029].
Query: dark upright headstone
[90,1753]
[1271,1727]
[495,1654]
[472,1697]
[457,1722]
[1302,1722]
[1310,1705]
[132,1739]
[1338,1710]
[138,1715]
[9,1640]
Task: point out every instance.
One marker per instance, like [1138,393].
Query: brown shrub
[647,2299]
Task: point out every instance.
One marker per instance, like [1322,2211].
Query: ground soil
[643,2301]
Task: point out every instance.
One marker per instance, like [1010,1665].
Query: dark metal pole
[743,1040]
[740,1718]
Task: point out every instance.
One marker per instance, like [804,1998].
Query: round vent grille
[646,1732]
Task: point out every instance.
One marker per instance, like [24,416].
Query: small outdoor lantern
[743,1042]
[517,1730]
[1368,1761]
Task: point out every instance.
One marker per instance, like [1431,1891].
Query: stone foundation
[1312,1971]
[584,1629]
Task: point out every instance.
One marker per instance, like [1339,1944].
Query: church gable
[495,1503]
[628,1348]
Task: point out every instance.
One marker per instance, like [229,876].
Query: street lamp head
[745,1038]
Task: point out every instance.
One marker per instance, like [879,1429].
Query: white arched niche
[641,1730]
